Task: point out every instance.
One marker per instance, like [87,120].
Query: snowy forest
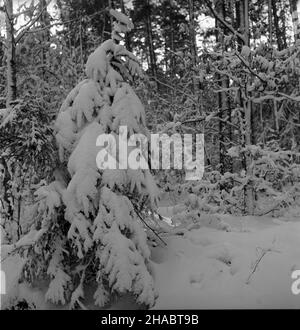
[79,234]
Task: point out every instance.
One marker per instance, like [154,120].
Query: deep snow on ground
[209,268]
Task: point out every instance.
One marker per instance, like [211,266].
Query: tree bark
[246,23]
[295,18]
[278,32]
[248,119]
[4,191]
[270,21]
[45,34]
[127,35]
[193,47]
[240,22]
[223,103]
[282,17]
[150,41]
[11,55]
[172,64]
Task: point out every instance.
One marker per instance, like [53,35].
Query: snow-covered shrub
[276,178]
[28,147]
[26,135]
[275,181]
[191,215]
[87,222]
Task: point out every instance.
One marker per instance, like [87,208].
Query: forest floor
[249,266]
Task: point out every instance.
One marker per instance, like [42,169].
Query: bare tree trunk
[246,23]
[172,65]
[150,41]
[283,20]
[248,119]
[242,13]
[240,4]
[45,37]
[222,97]
[127,35]
[11,55]
[270,21]
[110,18]
[193,46]
[5,201]
[295,18]
[238,17]
[278,32]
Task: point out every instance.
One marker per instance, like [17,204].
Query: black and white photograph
[149,158]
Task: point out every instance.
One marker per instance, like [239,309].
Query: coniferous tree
[88,221]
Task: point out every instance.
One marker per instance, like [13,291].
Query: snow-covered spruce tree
[88,226]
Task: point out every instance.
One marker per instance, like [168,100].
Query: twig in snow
[154,232]
[263,253]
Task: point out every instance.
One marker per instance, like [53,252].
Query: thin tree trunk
[110,22]
[242,13]
[127,35]
[270,21]
[295,18]
[222,97]
[248,119]
[19,229]
[283,20]
[172,65]
[240,21]
[276,26]
[246,23]
[45,38]
[193,46]
[150,41]
[43,23]
[4,191]
[11,55]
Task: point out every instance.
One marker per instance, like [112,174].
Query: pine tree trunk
[4,192]
[11,55]
[282,17]
[238,17]
[150,41]
[172,65]
[45,38]
[222,97]
[43,24]
[193,46]
[248,118]
[278,32]
[270,21]
[295,18]
[240,13]
[246,23]
[127,36]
